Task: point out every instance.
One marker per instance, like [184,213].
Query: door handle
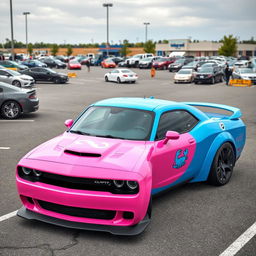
[191,140]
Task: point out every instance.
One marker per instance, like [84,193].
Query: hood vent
[82,154]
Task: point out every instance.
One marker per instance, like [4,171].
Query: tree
[30,49]
[69,50]
[150,47]
[124,50]
[54,49]
[229,46]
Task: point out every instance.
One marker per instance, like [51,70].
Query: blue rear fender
[220,139]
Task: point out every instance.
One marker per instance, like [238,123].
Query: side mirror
[171,135]
[69,123]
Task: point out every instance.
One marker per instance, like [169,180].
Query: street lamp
[11,30]
[107,5]
[26,22]
[146,30]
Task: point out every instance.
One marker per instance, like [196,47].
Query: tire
[56,80]
[16,83]
[10,110]
[106,79]
[196,82]
[222,165]
[118,80]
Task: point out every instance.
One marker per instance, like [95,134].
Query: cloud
[80,21]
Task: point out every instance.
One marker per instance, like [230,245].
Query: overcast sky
[84,21]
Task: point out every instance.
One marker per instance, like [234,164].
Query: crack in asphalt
[45,247]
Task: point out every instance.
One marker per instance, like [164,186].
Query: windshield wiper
[80,132]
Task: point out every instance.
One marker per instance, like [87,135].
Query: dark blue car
[34,63]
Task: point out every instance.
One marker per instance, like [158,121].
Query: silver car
[14,101]
[15,78]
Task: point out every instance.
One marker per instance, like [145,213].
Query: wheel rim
[225,164]
[16,83]
[11,110]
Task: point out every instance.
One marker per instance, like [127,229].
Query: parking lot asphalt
[194,219]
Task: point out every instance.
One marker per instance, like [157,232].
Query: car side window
[177,120]
[3,73]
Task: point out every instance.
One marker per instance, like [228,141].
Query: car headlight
[26,79]
[132,184]
[26,170]
[118,183]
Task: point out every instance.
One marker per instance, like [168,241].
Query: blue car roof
[139,103]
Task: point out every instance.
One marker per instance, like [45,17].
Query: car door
[171,160]
[114,75]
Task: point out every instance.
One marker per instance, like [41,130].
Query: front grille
[77,182]
[78,212]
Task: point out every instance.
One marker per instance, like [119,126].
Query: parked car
[177,65]
[209,75]
[46,75]
[102,172]
[15,78]
[121,75]
[147,62]
[108,63]
[117,60]
[60,64]
[14,101]
[74,64]
[34,63]
[12,65]
[244,73]
[134,60]
[50,62]
[162,63]
[184,76]
[239,64]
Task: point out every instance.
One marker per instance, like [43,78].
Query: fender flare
[206,166]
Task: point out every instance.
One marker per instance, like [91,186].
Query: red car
[108,63]
[74,64]
[163,63]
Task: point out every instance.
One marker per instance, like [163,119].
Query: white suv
[134,60]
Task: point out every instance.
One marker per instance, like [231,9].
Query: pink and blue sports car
[102,172]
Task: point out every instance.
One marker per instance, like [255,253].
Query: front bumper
[203,80]
[33,193]
[115,230]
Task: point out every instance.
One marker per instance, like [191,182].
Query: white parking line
[8,216]
[240,241]
[16,121]
[5,148]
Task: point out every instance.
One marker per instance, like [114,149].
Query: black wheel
[196,82]
[106,78]
[118,80]
[56,80]
[16,83]
[222,165]
[10,110]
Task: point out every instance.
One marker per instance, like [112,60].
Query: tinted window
[179,121]
[3,73]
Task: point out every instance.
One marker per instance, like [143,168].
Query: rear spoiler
[236,111]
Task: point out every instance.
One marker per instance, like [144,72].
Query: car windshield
[74,62]
[50,70]
[185,71]
[179,61]
[206,70]
[109,61]
[115,122]
[161,60]
[246,70]
[14,73]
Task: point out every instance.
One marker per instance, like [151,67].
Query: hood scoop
[81,153]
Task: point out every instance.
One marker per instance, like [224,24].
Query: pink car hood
[115,153]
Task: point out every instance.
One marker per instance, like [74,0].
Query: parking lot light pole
[12,45]
[107,5]
[146,30]
[26,27]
